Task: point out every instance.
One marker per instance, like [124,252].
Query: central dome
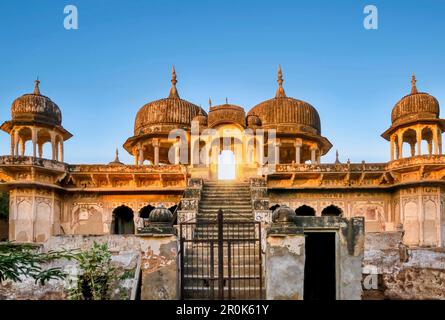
[415,106]
[166,114]
[283,111]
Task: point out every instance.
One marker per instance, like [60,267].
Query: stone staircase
[200,274]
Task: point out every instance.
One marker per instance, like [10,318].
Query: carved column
[313,159]
[53,146]
[277,152]
[12,143]
[400,146]
[430,147]
[22,147]
[40,149]
[419,141]
[136,156]
[34,142]
[156,151]
[391,146]
[413,149]
[16,142]
[439,141]
[435,141]
[141,155]
[61,151]
[298,144]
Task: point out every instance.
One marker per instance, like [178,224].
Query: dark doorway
[123,220]
[305,211]
[319,268]
[331,211]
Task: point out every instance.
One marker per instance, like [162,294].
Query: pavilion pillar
[391,146]
[61,152]
[419,141]
[16,143]
[298,144]
[12,143]
[22,147]
[400,146]
[40,149]
[313,155]
[277,152]
[156,151]
[413,149]
[430,147]
[435,142]
[53,146]
[34,142]
[141,155]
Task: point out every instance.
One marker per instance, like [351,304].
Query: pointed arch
[305,211]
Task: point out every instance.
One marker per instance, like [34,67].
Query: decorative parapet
[417,161]
[25,161]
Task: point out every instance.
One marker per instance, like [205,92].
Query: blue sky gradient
[120,58]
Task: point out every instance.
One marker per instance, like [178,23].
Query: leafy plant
[97,274]
[18,260]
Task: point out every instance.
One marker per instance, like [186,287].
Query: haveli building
[49,197]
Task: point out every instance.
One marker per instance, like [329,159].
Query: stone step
[237,292]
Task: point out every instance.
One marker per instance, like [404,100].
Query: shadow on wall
[4,228]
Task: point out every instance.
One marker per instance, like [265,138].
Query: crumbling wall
[126,255]
[402,272]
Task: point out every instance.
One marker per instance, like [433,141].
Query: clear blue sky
[121,57]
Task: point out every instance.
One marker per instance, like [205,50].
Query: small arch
[145,211]
[331,211]
[409,137]
[273,208]
[123,220]
[305,211]
[427,135]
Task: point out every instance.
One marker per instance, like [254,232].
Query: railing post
[220,255]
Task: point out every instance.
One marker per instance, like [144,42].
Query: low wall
[402,272]
[155,259]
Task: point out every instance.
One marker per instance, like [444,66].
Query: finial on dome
[117,156]
[210,102]
[280,91]
[413,84]
[36,86]
[173,91]
[227,101]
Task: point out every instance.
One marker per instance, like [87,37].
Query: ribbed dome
[416,105]
[36,108]
[171,112]
[283,110]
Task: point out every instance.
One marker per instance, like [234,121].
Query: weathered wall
[156,257]
[34,214]
[419,209]
[160,269]
[37,214]
[374,206]
[403,272]
[284,266]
